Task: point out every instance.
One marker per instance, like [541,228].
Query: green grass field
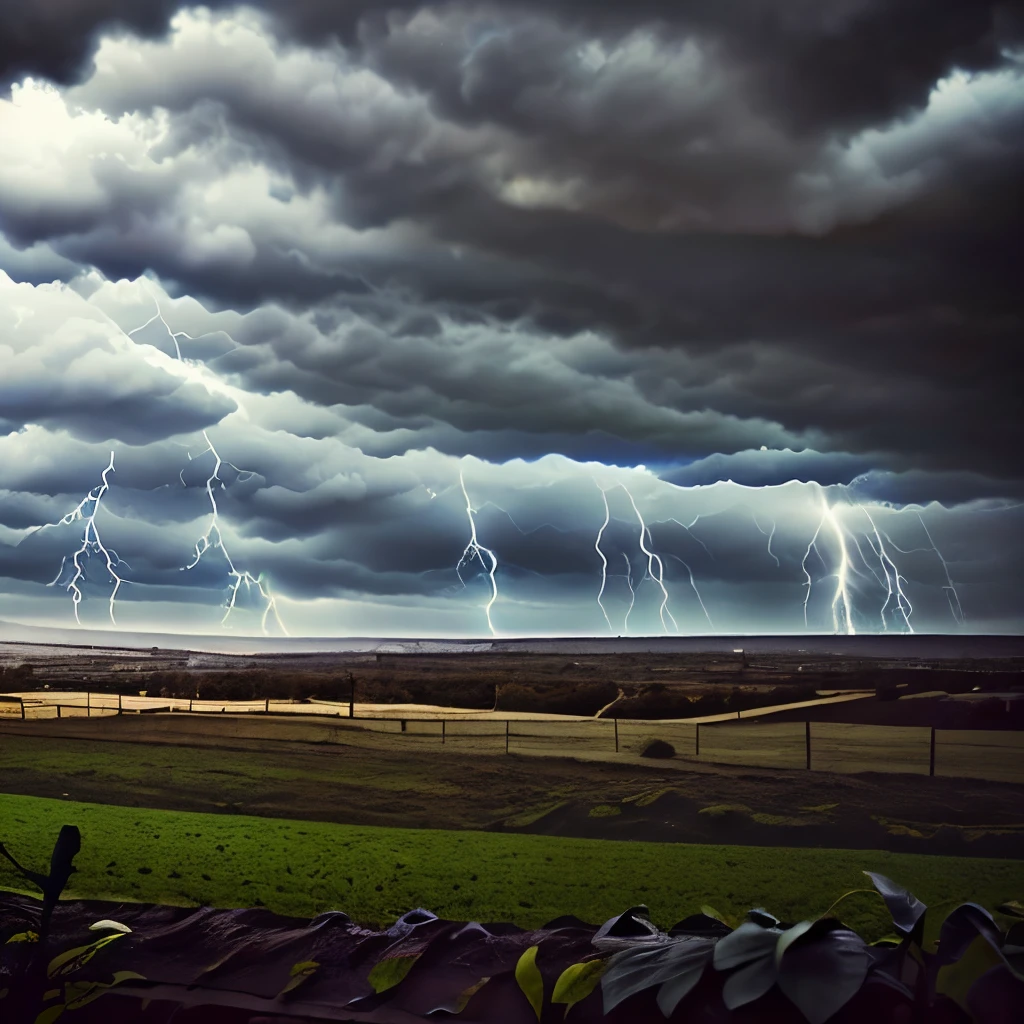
[375,874]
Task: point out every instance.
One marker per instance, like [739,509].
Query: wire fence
[818,746]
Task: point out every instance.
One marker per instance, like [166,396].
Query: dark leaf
[633,924]
[820,970]
[748,942]
[906,910]
[700,924]
[762,918]
[962,927]
[749,982]
[679,963]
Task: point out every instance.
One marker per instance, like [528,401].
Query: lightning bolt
[158,315]
[841,606]
[693,584]
[213,538]
[753,514]
[952,596]
[92,544]
[474,549]
[885,560]
[653,561]
[604,561]
[632,592]
[689,530]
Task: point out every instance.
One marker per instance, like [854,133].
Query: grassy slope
[374,874]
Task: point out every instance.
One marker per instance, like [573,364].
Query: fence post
[23,709]
[931,754]
[119,703]
[266,706]
[58,711]
[190,703]
[403,725]
[506,735]
[616,721]
[88,704]
[696,753]
[352,696]
[807,741]
[442,731]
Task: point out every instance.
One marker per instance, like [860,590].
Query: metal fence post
[616,720]
[931,754]
[807,741]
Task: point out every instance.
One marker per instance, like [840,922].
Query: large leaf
[748,942]
[460,1002]
[749,982]
[577,981]
[906,910]
[962,927]
[298,975]
[81,993]
[529,979]
[822,968]
[677,964]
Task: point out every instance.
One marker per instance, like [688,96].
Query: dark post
[351,695]
[190,703]
[88,704]
[58,711]
[616,721]
[266,706]
[506,735]
[697,751]
[119,704]
[807,741]
[442,730]
[403,725]
[23,709]
[931,755]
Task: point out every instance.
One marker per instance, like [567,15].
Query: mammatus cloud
[354,291]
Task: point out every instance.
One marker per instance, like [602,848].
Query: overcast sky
[690,316]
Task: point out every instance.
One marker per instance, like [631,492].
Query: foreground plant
[246,965]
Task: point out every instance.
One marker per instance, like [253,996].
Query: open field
[408,784]
[303,868]
[756,742]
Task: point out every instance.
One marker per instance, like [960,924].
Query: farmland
[375,874]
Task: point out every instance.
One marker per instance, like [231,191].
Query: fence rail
[821,746]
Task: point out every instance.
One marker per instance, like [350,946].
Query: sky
[406,318]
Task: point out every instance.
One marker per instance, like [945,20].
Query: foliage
[960,967]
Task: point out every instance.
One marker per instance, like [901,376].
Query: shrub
[658,748]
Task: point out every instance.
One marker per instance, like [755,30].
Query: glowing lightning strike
[841,597]
[158,315]
[952,596]
[91,544]
[778,564]
[205,543]
[632,592]
[902,601]
[474,549]
[604,561]
[652,561]
[693,584]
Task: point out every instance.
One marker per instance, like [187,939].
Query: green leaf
[529,979]
[49,1015]
[81,993]
[577,981]
[711,912]
[72,959]
[461,1001]
[298,974]
[24,937]
[788,937]
[110,926]
[391,972]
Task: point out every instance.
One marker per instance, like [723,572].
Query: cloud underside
[350,250]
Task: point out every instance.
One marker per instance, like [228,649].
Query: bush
[658,748]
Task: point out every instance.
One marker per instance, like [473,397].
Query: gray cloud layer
[389,237]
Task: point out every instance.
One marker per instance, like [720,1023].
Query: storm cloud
[711,269]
